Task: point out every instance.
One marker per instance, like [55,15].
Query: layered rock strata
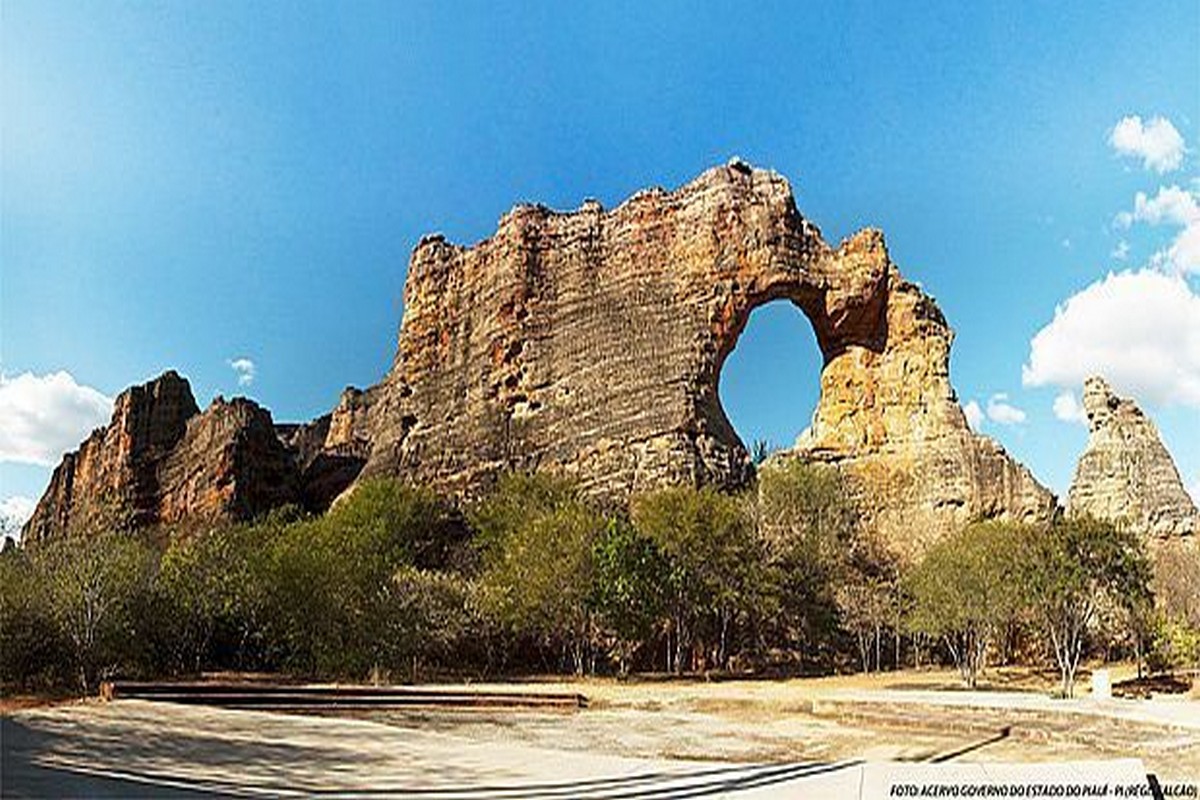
[590,344]
[161,461]
[1125,475]
[889,418]
[331,450]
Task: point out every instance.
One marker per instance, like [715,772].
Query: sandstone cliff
[888,416]
[163,461]
[1125,474]
[590,344]
[330,451]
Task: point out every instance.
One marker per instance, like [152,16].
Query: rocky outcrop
[228,465]
[163,461]
[331,450]
[889,418]
[116,467]
[590,344]
[1125,475]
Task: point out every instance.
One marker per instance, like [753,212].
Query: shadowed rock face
[1125,474]
[161,461]
[590,344]
[117,465]
[330,451]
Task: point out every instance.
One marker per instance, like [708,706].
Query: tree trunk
[679,650]
[722,652]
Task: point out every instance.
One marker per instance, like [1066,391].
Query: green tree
[630,575]
[1175,638]
[867,605]
[809,528]
[92,583]
[429,618]
[1070,569]
[333,578]
[537,540]
[965,591]
[715,567]
[211,596]
[31,647]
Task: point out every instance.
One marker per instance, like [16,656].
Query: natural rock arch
[769,383]
[590,343]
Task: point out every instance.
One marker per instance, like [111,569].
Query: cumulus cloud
[1139,329]
[1170,206]
[1000,411]
[974,415]
[43,416]
[1121,251]
[14,512]
[245,370]
[1157,143]
[1184,253]
[1069,409]
[1194,491]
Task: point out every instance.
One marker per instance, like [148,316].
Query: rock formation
[1125,474]
[163,461]
[330,451]
[889,418]
[590,344]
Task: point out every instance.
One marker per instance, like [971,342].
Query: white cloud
[1194,491]
[1121,251]
[1184,253]
[1157,143]
[1170,205]
[14,512]
[1140,330]
[1068,409]
[245,370]
[44,416]
[974,415]
[1000,411]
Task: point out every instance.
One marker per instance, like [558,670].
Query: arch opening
[769,384]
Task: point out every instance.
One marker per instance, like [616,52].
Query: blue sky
[191,184]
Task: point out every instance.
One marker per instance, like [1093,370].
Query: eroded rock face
[590,343]
[117,465]
[161,461]
[889,417]
[1125,475]
[331,450]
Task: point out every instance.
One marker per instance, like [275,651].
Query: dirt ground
[911,716]
[765,734]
